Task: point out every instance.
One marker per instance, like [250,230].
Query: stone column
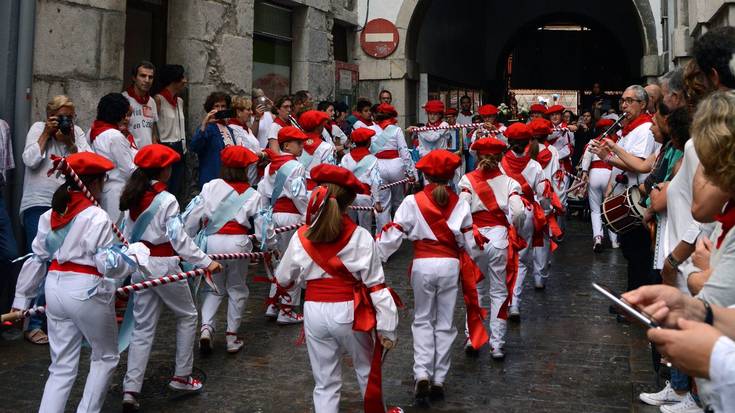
[79,53]
[312,66]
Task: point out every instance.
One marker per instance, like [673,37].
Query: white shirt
[464,119]
[369,176]
[294,187]
[171,122]
[247,139]
[38,187]
[324,153]
[433,139]
[639,143]
[721,384]
[395,140]
[264,126]
[113,145]
[361,258]
[142,120]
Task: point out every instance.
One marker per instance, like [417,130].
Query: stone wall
[79,53]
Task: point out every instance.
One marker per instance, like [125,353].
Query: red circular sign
[379,38]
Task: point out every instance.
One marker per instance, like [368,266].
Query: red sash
[514,168]
[233,228]
[387,154]
[515,242]
[325,256]
[600,165]
[469,273]
[161,250]
[74,267]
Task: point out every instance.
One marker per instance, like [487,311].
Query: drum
[621,213]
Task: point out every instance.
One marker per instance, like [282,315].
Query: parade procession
[395,226]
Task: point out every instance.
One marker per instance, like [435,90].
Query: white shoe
[514,313]
[597,246]
[688,405]
[615,244]
[271,311]
[665,396]
[539,283]
[234,343]
[288,316]
[206,341]
[188,384]
[130,403]
[497,354]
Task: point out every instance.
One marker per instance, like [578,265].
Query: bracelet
[673,262]
[709,316]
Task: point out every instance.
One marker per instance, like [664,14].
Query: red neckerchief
[544,157]
[387,122]
[433,125]
[278,161]
[281,122]
[312,143]
[145,202]
[77,204]
[236,122]
[467,112]
[240,187]
[359,152]
[363,120]
[170,98]
[143,100]
[727,219]
[98,127]
[640,120]
[514,164]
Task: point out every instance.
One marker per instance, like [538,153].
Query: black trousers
[636,246]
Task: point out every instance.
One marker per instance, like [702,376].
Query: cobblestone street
[567,355]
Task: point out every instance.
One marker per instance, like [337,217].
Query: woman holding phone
[213,135]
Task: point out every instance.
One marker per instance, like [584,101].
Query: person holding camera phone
[213,135]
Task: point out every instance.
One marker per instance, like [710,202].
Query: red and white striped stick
[574,177]
[66,168]
[237,256]
[575,187]
[457,126]
[361,208]
[21,315]
[156,282]
[282,229]
[402,181]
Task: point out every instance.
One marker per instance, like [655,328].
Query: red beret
[332,174]
[156,156]
[487,110]
[362,135]
[537,107]
[554,109]
[311,119]
[517,131]
[291,133]
[540,127]
[439,164]
[387,109]
[434,106]
[488,146]
[235,156]
[451,111]
[89,163]
[604,123]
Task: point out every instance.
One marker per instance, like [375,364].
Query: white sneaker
[206,341]
[234,343]
[615,244]
[288,316]
[271,311]
[665,396]
[688,405]
[130,403]
[497,354]
[514,313]
[188,384]
[539,283]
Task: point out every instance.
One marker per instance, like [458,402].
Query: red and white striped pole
[402,181]
[457,126]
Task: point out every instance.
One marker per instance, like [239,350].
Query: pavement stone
[568,354]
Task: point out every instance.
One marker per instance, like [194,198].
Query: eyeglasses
[629,101]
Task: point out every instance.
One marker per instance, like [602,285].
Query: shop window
[272,49]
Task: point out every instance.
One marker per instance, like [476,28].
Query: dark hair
[341,107]
[663,109]
[374,108]
[234,174]
[61,197]
[465,97]
[329,225]
[378,116]
[169,74]
[714,50]
[138,183]
[215,97]
[572,116]
[440,194]
[112,108]
[145,65]
[324,105]
[679,123]
[279,102]
[362,104]
[385,91]
[301,96]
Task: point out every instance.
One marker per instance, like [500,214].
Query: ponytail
[439,193]
[62,197]
[489,162]
[328,225]
[534,149]
[137,185]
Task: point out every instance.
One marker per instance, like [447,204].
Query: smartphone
[623,305]
[224,114]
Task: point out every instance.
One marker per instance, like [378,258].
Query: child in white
[365,167]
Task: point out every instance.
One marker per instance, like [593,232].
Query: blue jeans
[30,224]
[679,380]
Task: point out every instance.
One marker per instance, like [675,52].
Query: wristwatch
[709,316]
[673,262]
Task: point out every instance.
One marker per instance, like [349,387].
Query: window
[272,49]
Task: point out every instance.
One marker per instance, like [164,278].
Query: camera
[224,114]
[66,123]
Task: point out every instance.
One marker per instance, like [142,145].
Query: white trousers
[363,218]
[542,259]
[391,170]
[599,178]
[147,310]
[329,334]
[562,219]
[281,219]
[231,282]
[492,291]
[434,282]
[525,261]
[71,317]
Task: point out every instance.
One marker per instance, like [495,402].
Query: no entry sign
[379,38]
